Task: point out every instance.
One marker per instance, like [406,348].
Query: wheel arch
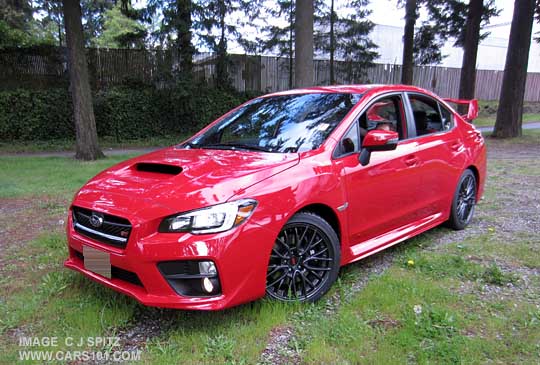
[326,213]
[476,173]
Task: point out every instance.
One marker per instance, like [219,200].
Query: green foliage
[351,37]
[123,113]
[494,275]
[121,31]
[33,34]
[447,20]
[35,115]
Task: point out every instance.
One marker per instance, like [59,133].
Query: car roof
[350,89]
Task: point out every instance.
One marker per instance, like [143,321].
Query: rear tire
[305,260]
[463,202]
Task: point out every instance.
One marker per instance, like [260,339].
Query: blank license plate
[97,261]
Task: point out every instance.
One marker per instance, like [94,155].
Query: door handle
[411,160]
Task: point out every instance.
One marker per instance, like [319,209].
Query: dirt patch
[278,350]
[24,219]
[384,323]
[146,324]
[505,150]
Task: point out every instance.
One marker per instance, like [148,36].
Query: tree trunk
[183,29]
[304,43]
[291,54]
[467,82]
[510,112]
[87,147]
[408,43]
[332,43]
[222,76]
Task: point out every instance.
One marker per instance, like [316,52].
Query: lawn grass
[69,144]
[489,121]
[64,304]
[52,176]
[456,302]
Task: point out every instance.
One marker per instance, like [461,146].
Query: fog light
[207,285]
[207,267]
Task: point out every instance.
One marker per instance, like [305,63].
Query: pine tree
[175,29]
[121,31]
[448,20]
[280,38]
[214,26]
[347,38]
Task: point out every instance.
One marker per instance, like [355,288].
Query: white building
[491,52]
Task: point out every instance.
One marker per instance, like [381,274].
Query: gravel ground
[517,200]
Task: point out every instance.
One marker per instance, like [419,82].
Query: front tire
[463,202]
[305,260]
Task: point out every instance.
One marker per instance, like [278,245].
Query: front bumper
[240,255]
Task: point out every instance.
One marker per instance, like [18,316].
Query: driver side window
[383,114]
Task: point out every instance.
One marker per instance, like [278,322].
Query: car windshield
[286,123]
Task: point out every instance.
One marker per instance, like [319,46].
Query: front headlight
[217,218]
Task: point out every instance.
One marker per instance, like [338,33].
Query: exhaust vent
[158,168]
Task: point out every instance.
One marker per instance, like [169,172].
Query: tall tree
[304,43]
[18,28]
[121,31]
[408,42]
[454,19]
[279,36]
[332,41]
[183,28]
[216,26]
[175,29]
[467,81]
[53,19]
[346,37]
[93,14]
[510,111]
[87,147]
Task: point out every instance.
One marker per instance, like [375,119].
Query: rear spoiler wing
[472,113]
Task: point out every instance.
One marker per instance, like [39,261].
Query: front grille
[111,230]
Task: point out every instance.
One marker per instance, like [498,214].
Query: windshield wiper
[233,146]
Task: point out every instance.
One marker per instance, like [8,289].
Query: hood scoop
[157,168]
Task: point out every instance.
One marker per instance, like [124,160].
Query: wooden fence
[47,66]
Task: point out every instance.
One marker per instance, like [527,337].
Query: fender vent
[158,168]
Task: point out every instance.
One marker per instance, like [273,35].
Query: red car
[276,195]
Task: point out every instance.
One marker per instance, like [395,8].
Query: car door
[381,196]
[440,151]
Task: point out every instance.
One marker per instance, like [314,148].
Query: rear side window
[447,118]
[429,115]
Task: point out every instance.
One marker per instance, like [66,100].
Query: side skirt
[374,245]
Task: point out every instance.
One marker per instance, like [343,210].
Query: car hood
[180,179]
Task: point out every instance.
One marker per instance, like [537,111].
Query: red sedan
[276,195]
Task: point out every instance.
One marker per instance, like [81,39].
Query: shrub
[121,112]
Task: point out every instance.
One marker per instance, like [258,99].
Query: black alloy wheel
[304,261]
[464,201]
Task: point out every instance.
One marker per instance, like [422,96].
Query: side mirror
[377,140]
